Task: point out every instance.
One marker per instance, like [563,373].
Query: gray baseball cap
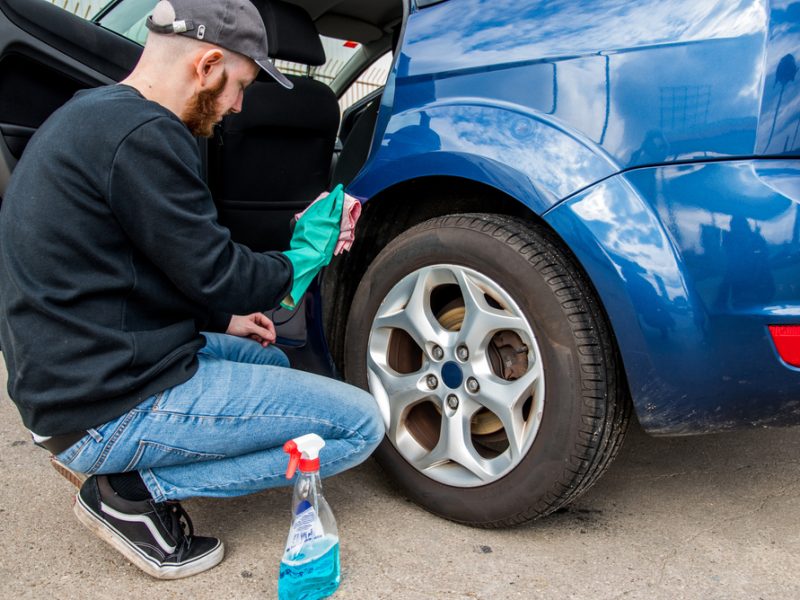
[235,25]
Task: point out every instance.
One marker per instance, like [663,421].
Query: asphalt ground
[711,517]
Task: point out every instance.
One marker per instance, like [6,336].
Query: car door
[46,55]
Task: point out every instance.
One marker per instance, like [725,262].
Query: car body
[650,149]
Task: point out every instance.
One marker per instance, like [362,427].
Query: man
[112,263]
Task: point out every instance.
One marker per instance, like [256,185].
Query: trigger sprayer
[303,452]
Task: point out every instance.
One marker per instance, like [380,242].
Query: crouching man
[112,263]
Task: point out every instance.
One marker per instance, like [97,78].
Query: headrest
[291,33]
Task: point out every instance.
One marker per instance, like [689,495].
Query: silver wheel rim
[447,428]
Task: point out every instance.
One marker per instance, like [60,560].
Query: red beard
[202,112]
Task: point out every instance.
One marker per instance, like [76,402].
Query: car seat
[276,154]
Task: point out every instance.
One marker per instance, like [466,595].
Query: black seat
[276,154]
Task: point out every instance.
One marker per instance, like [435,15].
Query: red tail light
[787,341]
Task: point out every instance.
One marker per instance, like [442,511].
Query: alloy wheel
[455,367]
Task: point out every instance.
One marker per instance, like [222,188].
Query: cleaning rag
[347,229]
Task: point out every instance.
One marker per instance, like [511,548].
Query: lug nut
[437,352]
[473,385]
[452,401]
[432,382]
[462,353]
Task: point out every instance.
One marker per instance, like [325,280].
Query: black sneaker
[152,535]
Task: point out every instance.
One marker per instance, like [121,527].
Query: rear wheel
[493,365]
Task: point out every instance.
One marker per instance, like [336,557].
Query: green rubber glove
[313,243]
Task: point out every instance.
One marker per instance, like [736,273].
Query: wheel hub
[452,375]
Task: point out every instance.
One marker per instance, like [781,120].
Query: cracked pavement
[711,517]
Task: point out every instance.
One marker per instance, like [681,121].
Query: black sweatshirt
[112,262]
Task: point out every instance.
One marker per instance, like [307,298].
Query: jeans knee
[278,357]
[373,429]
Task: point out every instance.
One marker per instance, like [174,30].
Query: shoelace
[177,520]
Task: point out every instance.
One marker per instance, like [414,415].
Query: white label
[306,527]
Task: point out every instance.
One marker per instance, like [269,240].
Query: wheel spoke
[435,458]
[407,307]
[401,392]
[514,427]
[498,395]
[505,399]
[480,319]
[455,445]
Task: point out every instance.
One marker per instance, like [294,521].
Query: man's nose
[237,106]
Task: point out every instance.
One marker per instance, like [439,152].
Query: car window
[370,80]
[85,9]
[128,18]
[339,53]
[125,17]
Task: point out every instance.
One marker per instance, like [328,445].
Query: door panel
[86,42]
[46,55]
[29,92]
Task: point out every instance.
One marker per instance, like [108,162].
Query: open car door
[46,55]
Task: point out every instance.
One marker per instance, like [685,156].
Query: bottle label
[306,527]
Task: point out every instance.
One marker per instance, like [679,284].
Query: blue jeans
[221,433]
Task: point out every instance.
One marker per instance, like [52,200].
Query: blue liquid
[305,579]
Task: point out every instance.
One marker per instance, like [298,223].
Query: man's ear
[207,66]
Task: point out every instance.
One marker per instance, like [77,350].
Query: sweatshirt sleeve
[161,201]
[218,322]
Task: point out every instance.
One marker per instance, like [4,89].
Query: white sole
[108,534]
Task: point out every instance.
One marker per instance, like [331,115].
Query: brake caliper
[508,355]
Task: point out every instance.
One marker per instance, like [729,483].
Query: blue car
[574,212]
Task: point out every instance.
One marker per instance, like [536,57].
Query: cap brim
[273,72]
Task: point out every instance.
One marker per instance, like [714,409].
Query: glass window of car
[127,18]
[85,9]
[338,54]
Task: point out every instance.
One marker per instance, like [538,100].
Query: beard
[202,112]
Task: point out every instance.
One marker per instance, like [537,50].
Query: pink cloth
[351,211]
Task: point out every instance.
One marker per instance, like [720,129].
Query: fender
[692,263]
[510,147]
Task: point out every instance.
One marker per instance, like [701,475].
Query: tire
[525,416]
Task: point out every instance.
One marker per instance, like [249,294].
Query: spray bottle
[310,564]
